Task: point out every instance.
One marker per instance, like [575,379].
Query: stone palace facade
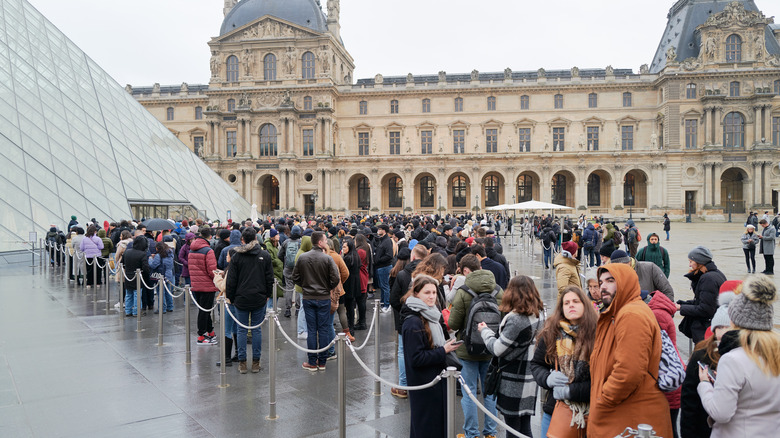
[282,120]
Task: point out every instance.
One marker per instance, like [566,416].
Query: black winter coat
[423,364]
[399,288]
[352,285]
[137,258]
[699,311]
[579,389]
[250,277]
[383,252]
[693,417]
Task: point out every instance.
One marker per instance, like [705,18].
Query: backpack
[483,308]
[290,251]
[671,370]
[617,238]
[638,235]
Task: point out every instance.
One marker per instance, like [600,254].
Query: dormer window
[734,48]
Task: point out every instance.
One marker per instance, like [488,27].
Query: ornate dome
[305,13]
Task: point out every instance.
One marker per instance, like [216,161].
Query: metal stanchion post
[222,373]
[274,299]
[377,384]
[272,366]
[94,275]
[108,286]
[40,259]
[187,340]
[138,292]
[160,307]
[451,399]
[120,271]
[342,378]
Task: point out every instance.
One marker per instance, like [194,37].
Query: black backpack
[483,308]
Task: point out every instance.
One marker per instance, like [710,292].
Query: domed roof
[302,12]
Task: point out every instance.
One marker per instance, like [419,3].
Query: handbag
[493,377]
[561,423]
[452,360]
[671,371]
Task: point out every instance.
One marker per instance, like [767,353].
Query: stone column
[210,143]
[317,138]
[768,123]
[329,137]
[291,199]
[757,122]
[716,185]
[763,183]
[719,126]
[545,185]
[705,119]
[283,189]
[705,186]
[248,138]
[580,191]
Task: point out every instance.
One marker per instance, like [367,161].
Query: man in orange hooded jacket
[625,358]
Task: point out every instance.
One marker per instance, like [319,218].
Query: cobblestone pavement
[68,369]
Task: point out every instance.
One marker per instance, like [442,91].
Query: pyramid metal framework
[73,142]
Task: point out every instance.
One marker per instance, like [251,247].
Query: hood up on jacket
[628,289]
[235,237]
[661,302]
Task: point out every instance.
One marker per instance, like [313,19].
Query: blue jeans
[472,372]
[243,316]
[547,255]
[401,362]
[545,423]
[590,256]
[317,317]
[131,304]
[332,332]
[383,276]
[667,235]
[301,315]
[230,325]
[167,301]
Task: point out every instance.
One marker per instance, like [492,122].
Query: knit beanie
[619,256]
[700,255]
[571,247]
[752,309]
[404,254]
[606,250]
[273,233]
[721,317]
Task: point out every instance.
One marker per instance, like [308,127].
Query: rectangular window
[627,133]
[691,131]
[308,142]
[558,101]
[426,105]
[491,140]
[627,100]
[524,102]
[593,138]
[491,103]
[169,115]
[690,91]
[231,143]
[459,104]
[197,143]
[558,139]
[427,142]
[363,107]
[395,143]
[593,100]
[525,139]
[459,141]
[198,113]
[776,131]
[734,89]
[362,143]
[393,107]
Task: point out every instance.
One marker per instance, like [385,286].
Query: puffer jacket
[136,258]
[108,245]
[91,246]
[201,263]
[250,277]
[481,282]
[699,311]
[664,309]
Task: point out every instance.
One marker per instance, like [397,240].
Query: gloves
[562,392]
[557,378]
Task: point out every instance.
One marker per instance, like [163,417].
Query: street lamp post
[689,197]
[630,205]
[729,207]
[314,204]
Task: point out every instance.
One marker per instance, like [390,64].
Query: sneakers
[386,309]
[255,365]
[332,356]
[303,335]
[321,366]
[242,367]
[400,393]
[310,367]
[206,340]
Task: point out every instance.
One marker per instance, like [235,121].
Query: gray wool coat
[768,240]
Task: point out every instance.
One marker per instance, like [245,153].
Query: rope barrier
[370,329]
[295,344]
[126,277]
[227,308]
[143,283]
[433,382]
[467,390]
[167,282]
[198,305]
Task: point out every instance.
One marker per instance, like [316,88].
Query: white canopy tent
[529,205]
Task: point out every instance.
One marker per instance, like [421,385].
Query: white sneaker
[117,305]
[386,309]
[303,335]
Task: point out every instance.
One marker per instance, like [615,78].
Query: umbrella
[158,224]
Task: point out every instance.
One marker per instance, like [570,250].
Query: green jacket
[108,245]
[277,264]
[657,254]
[481,281]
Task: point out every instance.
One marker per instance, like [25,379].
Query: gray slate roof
[302,12]
[497,76]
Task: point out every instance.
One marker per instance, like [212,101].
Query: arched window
[629,186]
[232,68]
[559,189]
[198,113]
[393,106]
[458,184]
[558,101]
[594,190]
[231,105]
[690,91]
[308,65]
[269,67]
[734,130]
[733,48]
[427,190]
[627,100]
[395,188]
[426,105]
[363,194]
[307,106]
[458,104]
[268,140]
[169,113]
[491,103]
[491,191]
[734,89]
[525,188]
[593,100]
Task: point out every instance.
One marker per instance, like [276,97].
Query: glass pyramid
[73,142]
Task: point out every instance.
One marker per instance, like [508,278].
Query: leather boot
[242,367]
[349,336]
[228,349]
[255,365]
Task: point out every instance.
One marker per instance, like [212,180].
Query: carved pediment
[425,126]
[363,127]
[394,127]
[558,122]
[690,114]
[735,15]
[492,124]
[594,121]
[267,27]
[627,121]
[459,124]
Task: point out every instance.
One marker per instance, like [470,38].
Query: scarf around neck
[432,315]
[568,365]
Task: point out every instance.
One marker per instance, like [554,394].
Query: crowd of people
[604,357]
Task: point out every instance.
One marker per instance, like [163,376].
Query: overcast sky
[141,42]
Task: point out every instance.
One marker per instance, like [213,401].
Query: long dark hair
[352,257]
[522,297]
[162,249]
[586,331]
[418,283]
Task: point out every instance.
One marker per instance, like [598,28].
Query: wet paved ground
[69,370]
